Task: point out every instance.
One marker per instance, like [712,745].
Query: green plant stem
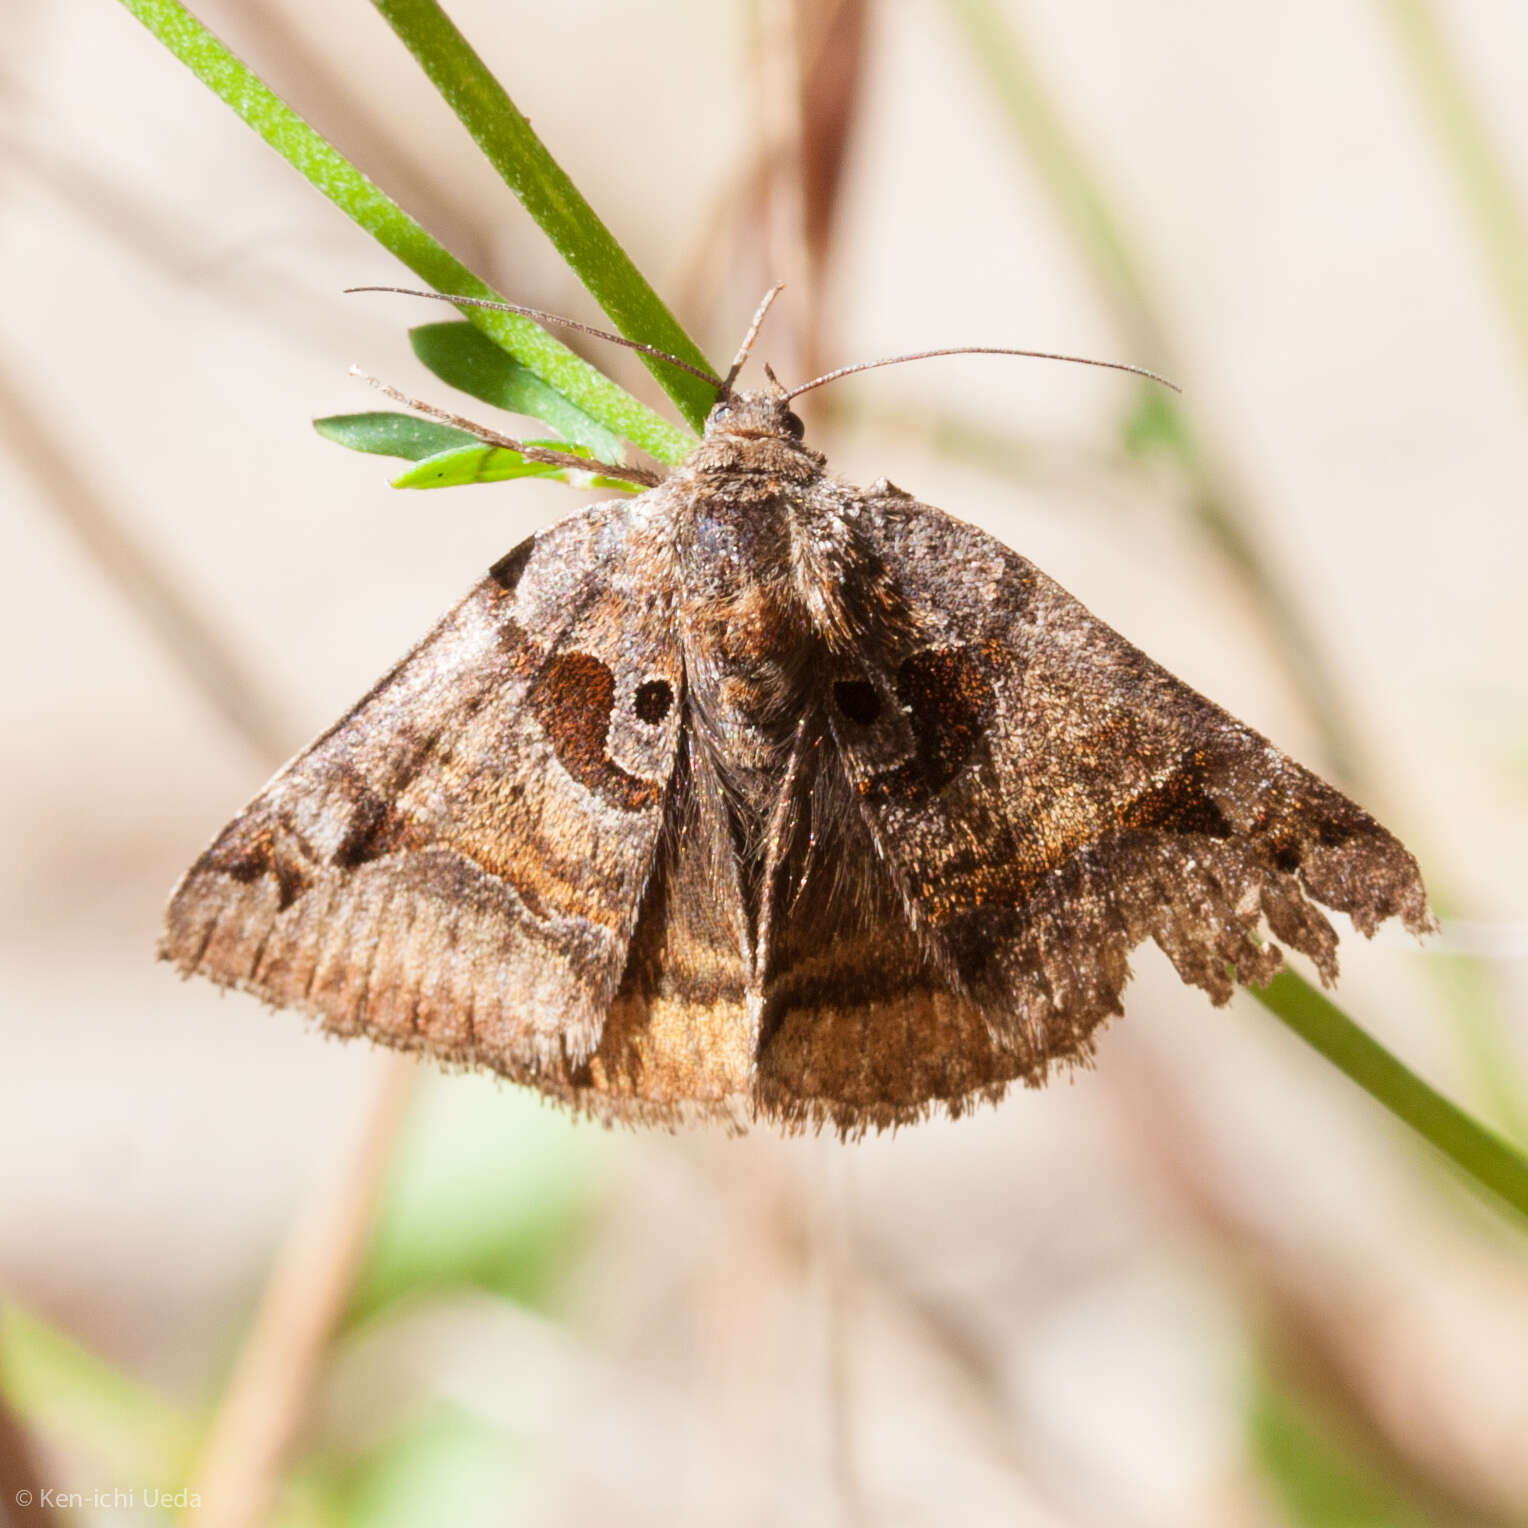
[501,130]
[1482,179]
[1485,1157]
[355,195]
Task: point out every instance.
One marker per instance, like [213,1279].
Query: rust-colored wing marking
[458,865]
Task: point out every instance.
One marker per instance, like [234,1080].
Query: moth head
[753,416]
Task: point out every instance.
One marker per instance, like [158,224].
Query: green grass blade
[1485,1157]
[330,172]
[470,362]
[545,191]
[387,434]
[64,1391]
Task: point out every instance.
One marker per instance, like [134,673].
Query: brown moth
[762,796]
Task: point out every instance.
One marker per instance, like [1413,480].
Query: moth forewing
[758,795]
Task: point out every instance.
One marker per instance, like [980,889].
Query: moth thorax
[747,636]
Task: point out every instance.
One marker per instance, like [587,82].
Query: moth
[761,796]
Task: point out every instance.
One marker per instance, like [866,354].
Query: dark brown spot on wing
[376,829]
[507,570]
[1180,804]
[573,700]
[273,848]
[949,702]
[1333,834]
[653,700]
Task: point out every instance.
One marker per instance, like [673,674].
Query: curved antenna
[924,355]
[551,318]
[751,336]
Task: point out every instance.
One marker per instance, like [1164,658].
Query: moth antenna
[750,337]
[924,355]
[532,453]
[550,318]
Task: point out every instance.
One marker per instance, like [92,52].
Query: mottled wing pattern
[1043,797]
[864,1023]
[458,865]
[678,1040]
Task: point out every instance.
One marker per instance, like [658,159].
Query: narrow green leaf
[476,463]
[385,434]
[1487,1160]
[58,1386]
[481,463]
[551,198]
[355,195]
[469,361]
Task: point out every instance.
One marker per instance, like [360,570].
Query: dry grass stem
[268,1396]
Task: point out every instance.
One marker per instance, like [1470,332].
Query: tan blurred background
[1208,1283]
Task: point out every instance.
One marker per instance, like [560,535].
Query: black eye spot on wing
[857,701]
[653,700]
